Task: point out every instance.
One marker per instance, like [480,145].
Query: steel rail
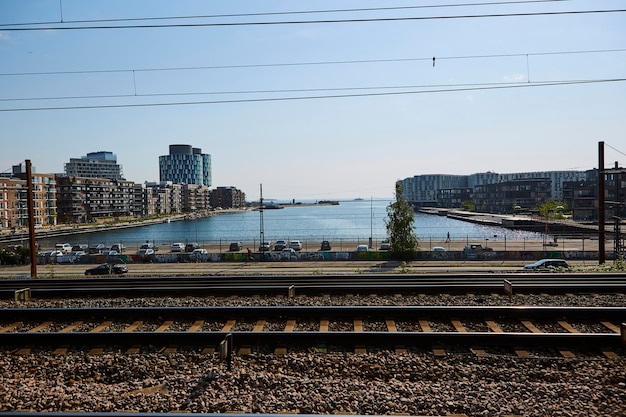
[328,312]
[311,338]
[553,283]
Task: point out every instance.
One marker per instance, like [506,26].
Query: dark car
[280,245]
[190,247]
[548,264]
[96,248]
[235,247]
[107,269]
[325,245]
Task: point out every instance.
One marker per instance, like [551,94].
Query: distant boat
[272,206]
[358,199]
[166,221]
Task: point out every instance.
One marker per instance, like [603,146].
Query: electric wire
[319,21]
[293,12]
[615,149]
[312,63]
[302,90]
[338,96]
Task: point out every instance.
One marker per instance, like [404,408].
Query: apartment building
[228,197]
[84,200]
[101,164]
[510,196]
[582,196]
[442,190]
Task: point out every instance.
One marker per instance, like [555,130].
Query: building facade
[582,196]
[442,190]
[102,164]
[44,197]
[185,165]
[511,196]
[84,200]
[228,197]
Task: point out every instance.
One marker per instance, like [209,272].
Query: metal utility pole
[601,214]
[261,227]
[31,220]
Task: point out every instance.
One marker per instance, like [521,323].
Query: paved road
[281,268]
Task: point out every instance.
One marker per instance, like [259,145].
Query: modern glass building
[185,165]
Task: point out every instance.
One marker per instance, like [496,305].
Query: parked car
[265,246]
[118,247]
[54,253]
[438,249]
[110,253]
[63,247]
[148,245]
[96,248]
[385,245]
[107,269]
[77,253]
[190,247]
[362,248]
[288,254]
[280,245]
[177,247]
[198,254]
[145,252]
[81,247]
[476,251]
[235,247]
[547,264]
[295,245]
[476,248]
[325,245]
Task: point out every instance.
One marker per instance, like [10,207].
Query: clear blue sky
[323,148]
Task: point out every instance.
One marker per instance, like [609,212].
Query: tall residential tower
[185,165]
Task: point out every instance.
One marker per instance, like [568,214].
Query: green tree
[468,205]
[399,223]
[552,209]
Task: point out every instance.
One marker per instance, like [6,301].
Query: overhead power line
[277,99]
[293,12]
[310,63]
[301,90]
[427,88]
[615,149]
[297,22]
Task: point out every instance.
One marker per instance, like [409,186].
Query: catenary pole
[31,220]
[601,220]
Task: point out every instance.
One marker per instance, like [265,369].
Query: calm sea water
[348,221]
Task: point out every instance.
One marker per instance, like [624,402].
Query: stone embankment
[520,222]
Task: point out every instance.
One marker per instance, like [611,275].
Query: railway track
[316,284]
[284,327]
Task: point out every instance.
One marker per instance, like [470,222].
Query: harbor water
[354,221]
